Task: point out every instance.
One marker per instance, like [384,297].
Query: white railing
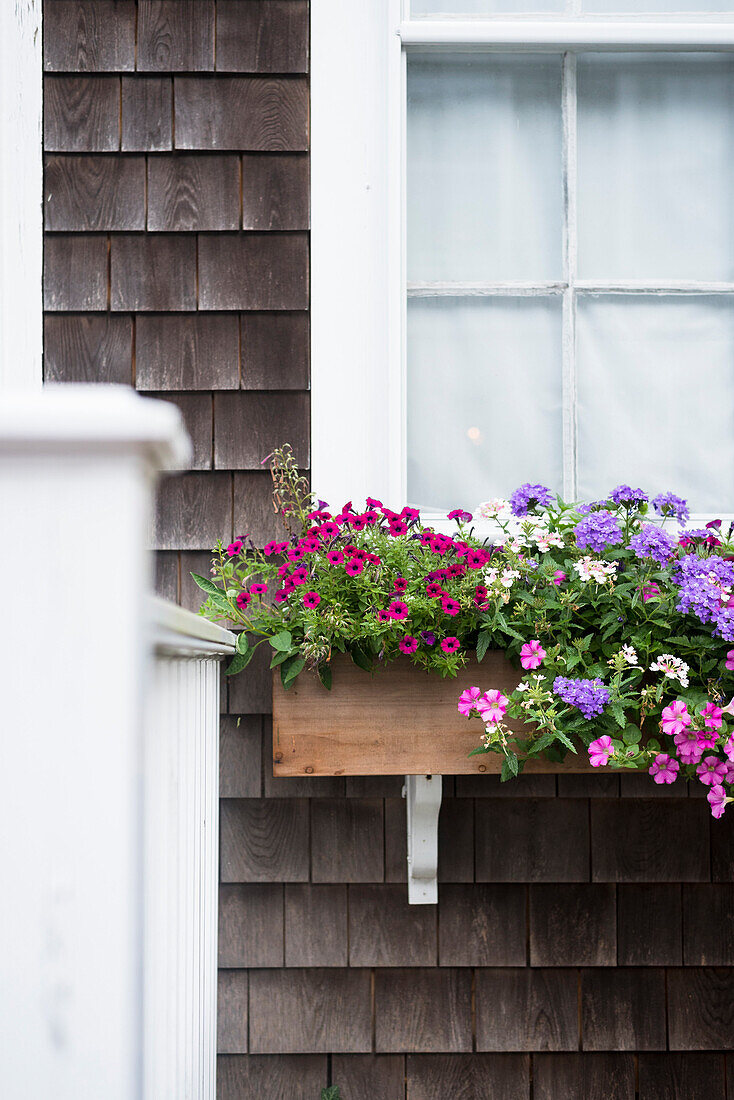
[108,782]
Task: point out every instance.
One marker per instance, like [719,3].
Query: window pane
[484,397]
[656,166]
[656,397]
[483,7]
[648,7]
[484,168]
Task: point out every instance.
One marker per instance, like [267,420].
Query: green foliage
[331,1093]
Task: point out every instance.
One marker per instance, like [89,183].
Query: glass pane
[656,166]
[656,397]
[484,168]
[649,7]
[483,7]
[484,398]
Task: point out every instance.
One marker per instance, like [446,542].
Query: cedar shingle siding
[583,946]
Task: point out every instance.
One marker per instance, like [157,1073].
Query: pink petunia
[354,567]
[728,748]
[687,746]
[468,700]
[329,530]
[299,576]
[711,715]
[559,577]
[707,738]
[712,771]
[664,768]
[434,590]
[449,606]
[450,645]
[717,800]
[650,591]
[676,718]
[532,654]
[397,527]
[397,609]
[335,557]
[729,663]
[600,751]
[383,616]
[409,644]
[258,589]
[234,548]
[281,595]
[311,599]
[242,599]
[492,706]
[399,584]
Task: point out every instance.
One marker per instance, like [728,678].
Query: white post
[77,466]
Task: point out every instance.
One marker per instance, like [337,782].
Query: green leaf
[361,660]
[510,767]
[565,741]
[480,750]
[325,676]
[282,655]
[243,643]
[483,642]
[632,735]
[332,1093]
[282,641]
[290,669]
[238,662]
[619,716]
[206,585]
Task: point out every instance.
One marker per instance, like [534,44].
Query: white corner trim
[21,194]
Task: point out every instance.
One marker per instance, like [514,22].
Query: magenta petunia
[242,600]
[409,644]
[383,616]
[281,595]
[354,567]
[371,502]
[600,751]
[397,527]
[434,590]
[311,599]
[329,530]
[559,577]
[335,557]
[234,548]
[294,553]
[468,701]
[532,654]
[664,768]
[397,609]
[299,576]
[450,607]
[258,589]
[399,584]
[450,645]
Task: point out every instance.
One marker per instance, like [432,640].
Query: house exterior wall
[583,945]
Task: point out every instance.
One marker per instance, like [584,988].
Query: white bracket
[423,802]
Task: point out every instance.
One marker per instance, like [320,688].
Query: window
[553,273]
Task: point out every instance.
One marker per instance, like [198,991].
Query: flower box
[398,721]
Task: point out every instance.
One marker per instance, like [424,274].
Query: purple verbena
[627,496]
[705,590]
[528,497]
[588,696]
[668,504]
[597,531]
[652,542]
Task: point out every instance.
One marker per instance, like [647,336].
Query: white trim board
[21,194]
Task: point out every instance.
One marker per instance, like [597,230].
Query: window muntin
[640,8]
[592,159]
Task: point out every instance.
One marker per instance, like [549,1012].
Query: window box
[399,721]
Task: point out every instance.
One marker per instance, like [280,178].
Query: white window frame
[21,195]
[358,283]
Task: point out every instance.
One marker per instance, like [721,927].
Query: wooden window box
[398,721]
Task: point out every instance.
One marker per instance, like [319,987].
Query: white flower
[493,509]
[522,687]
[508,577]
[589,568]
[672,667]
[630,654]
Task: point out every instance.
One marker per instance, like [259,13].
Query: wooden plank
[151,272]
[263,1075]
[275,192]
[197,412]
[89,35]
[315,925]
[469,1077]
[701,1009]
[262,36]
[187,193]
[649,928]
[574,924]
[193,511]
[623,1009]
[83,348]
[455,840]
[254,516]
[482,925]
[642,851]
[584,1076]
[368,1076]
[347,840]
[232,1012]
[187,351]
[722,849]
[75,272]
[422,1011]
[240,756]
[175,35]
[241,113]
[521,1009]
[396,841]
[271,418]
[264,840]
[81,114]
[250,924]
[385,931]
[166,574]
[532,840]
[275,351]
[94,193]
[250,693]
[253,271]
[400,720]
[310,1011]
[689,1076]
[147,114]
[320,786]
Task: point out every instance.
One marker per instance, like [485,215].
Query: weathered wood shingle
[190,193]
[310,1011]
[89,35]
[241,113]
[262,36]
[175,35]
[94,193]
[81,114]
[88,348]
